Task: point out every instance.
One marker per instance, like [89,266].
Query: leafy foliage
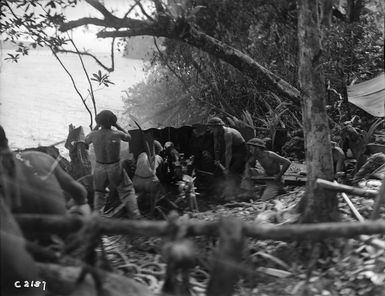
[267,32]
[102,79]
[353,52]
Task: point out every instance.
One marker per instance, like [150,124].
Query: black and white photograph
[192,148]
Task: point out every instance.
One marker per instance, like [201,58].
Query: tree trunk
[319,205]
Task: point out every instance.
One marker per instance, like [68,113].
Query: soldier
[273,164]
[146,179]
[34,182]
[108,170]
[231,142]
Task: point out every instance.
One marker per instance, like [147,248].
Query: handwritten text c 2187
[30,284]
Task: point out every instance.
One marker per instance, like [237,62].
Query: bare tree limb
[144,11]
[101,8]
[108,23]
[91,90]
[345,188]
[82,22]
[143,31]
[60,224]
[75,87]
[85,53]
[131,9]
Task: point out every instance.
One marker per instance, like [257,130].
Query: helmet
[257,142]
[106,117]
[215,121]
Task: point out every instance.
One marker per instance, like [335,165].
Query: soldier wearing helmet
[230,151]
[273,164]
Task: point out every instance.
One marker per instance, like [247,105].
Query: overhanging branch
[182,31]
[107,23]
[82,22]
[146,31]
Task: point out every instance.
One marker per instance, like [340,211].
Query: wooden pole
[333,186]
[60,224]
[365,238]
[352,207]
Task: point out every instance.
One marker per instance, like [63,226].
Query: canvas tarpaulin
[369,95]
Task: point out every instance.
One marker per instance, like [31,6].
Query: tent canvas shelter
[369,95]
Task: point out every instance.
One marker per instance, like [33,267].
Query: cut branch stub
[225,272]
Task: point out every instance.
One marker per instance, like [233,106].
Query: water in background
[38,101]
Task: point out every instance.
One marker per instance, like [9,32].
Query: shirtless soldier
[271,163]
[108,170]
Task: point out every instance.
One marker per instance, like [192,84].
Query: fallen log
[345,188]
[62,280]
[60,224]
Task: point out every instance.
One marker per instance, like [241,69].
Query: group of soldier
[235,157]
[34,183]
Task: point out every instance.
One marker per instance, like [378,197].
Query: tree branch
[345,188]
[243,63]
[75,87]
[101,8]
[82,22]
[144,11]
[144,31]
[108,23]
[131,9]
[91,90]
[226,53]
[158,6]
[60,224]
[85,53]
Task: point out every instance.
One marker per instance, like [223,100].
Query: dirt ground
[331,267]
